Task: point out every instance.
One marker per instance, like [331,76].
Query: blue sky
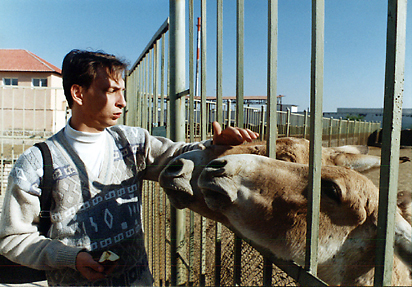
[355,42]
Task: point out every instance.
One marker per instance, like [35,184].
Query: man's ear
[77,94]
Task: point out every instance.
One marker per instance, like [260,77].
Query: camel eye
[331,190]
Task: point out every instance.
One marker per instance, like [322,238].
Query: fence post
[229,113]
[305,124]
[271,107]
[239,62]
[318,14]
[392,119]
[330,132]
[177,128]
[239,116]
[287,122]
[262,123]
[150,93]
[339,131]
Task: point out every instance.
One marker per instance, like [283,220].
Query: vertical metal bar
[168,109]
[237,268]
[218,253]
[141,94]
[318,10]
[305,124]
[24,114]
[240,15]
[191,131]
[203,132]
[44,111]
[133,112]
[34,109]
[229,113]
[145,94]
[177,128]
[219,60]
[150,95]
[128,98]
[139,97]
[394,82]
[287,122]
[219,118]
[262,123]
[155,83]
[330,132]
[272,77]
[191,72]
[203,112]
[347,131]
[340,131]
[239,116]
[13,123]
[162,83]
[247,121]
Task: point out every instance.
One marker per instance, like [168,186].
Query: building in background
[370,115]
[31,93]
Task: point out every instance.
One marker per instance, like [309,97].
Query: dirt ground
[405,169]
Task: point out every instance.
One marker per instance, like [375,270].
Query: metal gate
[174,256]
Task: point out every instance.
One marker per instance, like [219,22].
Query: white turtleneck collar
[88,146]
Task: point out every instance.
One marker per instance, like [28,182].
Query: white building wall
[375,115]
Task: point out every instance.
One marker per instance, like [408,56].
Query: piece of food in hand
[109,260]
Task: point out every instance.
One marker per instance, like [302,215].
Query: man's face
[103,102]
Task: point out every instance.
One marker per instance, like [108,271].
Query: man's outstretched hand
[231,135]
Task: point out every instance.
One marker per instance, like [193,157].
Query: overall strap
[46,186]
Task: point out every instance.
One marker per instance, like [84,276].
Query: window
[10,81]
[39,82]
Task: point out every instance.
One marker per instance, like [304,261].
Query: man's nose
[121,102]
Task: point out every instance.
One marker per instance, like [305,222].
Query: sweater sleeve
[159,151]
[20,240]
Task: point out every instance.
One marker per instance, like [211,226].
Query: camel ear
[358,162]
[403,240]
[354,149]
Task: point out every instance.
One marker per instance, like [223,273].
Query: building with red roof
[20,67]
[31,93]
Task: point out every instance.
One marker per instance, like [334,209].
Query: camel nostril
[175,167]
[217,164]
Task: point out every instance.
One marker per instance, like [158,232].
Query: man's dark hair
[80,67]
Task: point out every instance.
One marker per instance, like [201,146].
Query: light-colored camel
[180,175]
[266,201]
[180,181]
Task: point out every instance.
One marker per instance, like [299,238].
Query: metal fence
[27,115]
[183,247]
[186,249]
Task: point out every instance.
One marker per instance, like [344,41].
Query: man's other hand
[231,135]
[88,267]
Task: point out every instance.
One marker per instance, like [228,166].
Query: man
[98,171]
